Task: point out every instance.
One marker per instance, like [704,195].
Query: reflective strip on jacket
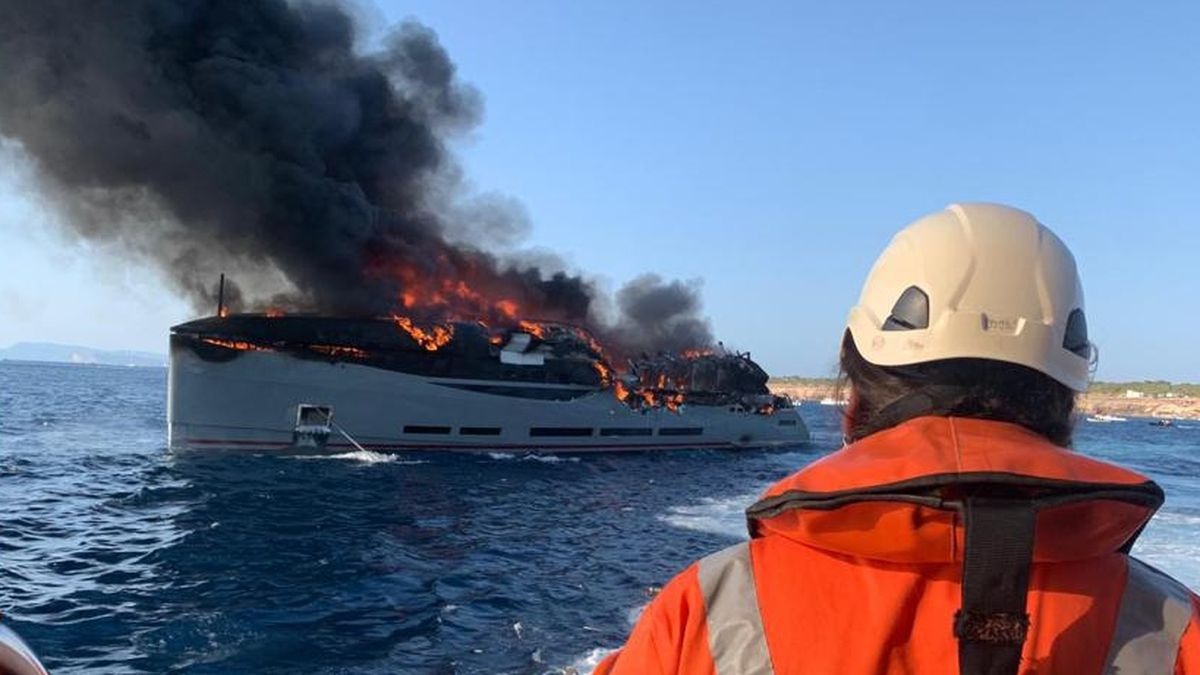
[853,569]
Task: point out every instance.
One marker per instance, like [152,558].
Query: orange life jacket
[856,565]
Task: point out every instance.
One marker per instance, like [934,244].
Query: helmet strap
[924,401]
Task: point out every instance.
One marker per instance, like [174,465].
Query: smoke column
[252,137]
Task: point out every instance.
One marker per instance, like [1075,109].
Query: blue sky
[771,150]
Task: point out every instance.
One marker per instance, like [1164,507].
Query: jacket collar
[893,496]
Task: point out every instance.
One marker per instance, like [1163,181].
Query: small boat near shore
[1102,418]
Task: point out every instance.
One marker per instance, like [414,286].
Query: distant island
[1146,398]
[51,352]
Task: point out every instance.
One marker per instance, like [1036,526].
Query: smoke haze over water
[251,137]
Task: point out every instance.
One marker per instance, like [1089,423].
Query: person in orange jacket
[955,532]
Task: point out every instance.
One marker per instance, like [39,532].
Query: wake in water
[725,516]
[588,662]
[368,457]
[531,457]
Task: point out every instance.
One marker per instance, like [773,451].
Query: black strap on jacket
[933,399]
[992,624]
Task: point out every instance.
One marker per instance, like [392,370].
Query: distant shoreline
[76,364]
[56,352]
[1157,400]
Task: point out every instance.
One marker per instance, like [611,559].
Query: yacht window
[560,431]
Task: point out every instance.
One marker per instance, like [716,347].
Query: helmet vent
[911,311]
[1076,338]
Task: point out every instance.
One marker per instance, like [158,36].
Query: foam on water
[372,457]
[1172,543]
[588,662]
[544,458]
[368,457]
[1171,518]
[725,516]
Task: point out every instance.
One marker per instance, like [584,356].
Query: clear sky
[771,149]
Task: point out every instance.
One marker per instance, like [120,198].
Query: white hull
[251,402]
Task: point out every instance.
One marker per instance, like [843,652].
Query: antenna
[221,297]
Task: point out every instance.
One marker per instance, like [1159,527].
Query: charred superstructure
[248,380]
[469,350]
[702,378]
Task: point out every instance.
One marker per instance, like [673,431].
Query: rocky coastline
[1181,407]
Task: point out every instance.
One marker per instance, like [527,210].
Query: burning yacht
[339,195]
[268,382]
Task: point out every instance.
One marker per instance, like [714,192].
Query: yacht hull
[253,401]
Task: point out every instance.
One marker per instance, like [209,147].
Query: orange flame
[236,344]
[432,339]
[508,308]
[673,402]
[604,371]
[591,342]
[451,290]
[534,328]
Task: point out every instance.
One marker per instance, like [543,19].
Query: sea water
[117,556]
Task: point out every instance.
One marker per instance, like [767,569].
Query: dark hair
[979,388]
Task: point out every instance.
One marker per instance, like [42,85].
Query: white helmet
[976,281]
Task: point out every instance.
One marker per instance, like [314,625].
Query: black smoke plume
[254,137]
[660,316]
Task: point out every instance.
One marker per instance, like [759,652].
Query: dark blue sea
[117,556]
